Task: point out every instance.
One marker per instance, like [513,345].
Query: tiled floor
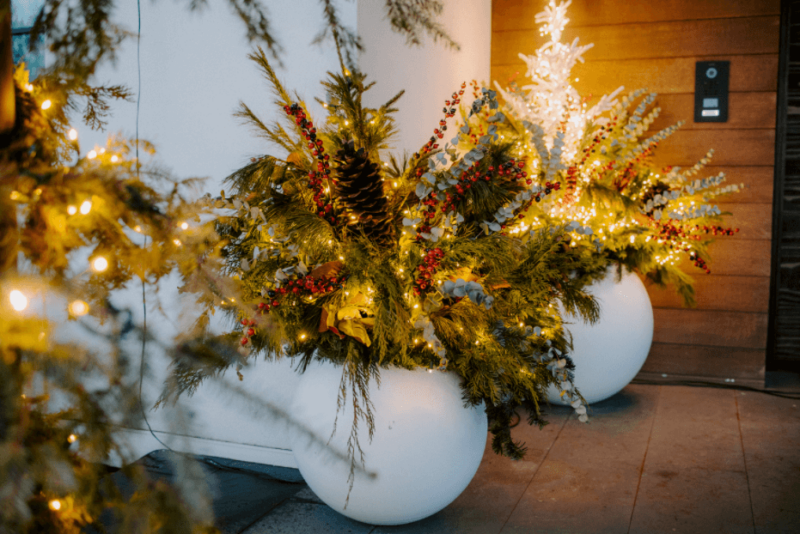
[653,459]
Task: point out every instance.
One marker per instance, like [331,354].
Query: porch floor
[653,459]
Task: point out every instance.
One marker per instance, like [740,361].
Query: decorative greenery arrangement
[342,254]
[639,216]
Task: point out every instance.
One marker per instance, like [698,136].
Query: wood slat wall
[656,45]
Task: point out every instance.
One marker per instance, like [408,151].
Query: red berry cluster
[449,111]
[430,262]
[671,233]
[699,262]
[248,330]
[315,178]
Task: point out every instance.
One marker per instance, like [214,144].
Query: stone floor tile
[588,481]
[617,432]
[240,497]
[696,428]
[771,438]
[692,500]
[694,477]
[498,485]
[307,518]
[566,498]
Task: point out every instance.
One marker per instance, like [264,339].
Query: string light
[184,226]
[99,264]
[302,337]
[114,158]
[78,308]
[46,104]
[18,300]
[55,505]
[72,134]
[86,207]
[72,438]
[92,154]
[177,242]
[72,210]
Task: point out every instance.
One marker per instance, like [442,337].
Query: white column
[429,74]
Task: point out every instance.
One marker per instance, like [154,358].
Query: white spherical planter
[610,353]
[426,448]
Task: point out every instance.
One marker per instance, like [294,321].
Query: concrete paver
[694,477]
[771,437]
[588,481]
[652,459]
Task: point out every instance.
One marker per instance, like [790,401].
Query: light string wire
[138,166]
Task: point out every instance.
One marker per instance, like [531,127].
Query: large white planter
[426,448]
[610,353]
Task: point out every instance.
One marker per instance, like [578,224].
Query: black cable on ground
[718,385]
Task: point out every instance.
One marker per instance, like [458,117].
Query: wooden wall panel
[745,110]
[704,361]
[719,292]
[757,72]
[758,182]
[731,147]
[656,45]
[715,328]
[735,36]
[516,15]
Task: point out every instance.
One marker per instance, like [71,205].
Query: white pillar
[429,74]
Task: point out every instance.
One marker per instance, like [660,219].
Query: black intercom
[711,91]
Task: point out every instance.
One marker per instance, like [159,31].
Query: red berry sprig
[324,202]
[423,279]
[449,111]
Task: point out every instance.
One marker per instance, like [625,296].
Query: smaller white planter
[610,353]
[425,450]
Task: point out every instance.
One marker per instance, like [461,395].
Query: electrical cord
[144,297]
[718,385]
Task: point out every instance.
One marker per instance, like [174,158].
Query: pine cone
[360,189]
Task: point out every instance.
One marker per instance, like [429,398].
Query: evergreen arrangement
[638,215]
[340,252]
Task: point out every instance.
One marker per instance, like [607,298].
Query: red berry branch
[423,279]
[323,201]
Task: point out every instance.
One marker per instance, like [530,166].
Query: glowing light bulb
[137,229]
[99,264]
[72,134]
[55,505]
[72,210]
[78,308]
[29,88]
[18,300]
[177,242]
[46,104]
[72,438]
[86,207]
[92,154]
[302,337]
[114,159]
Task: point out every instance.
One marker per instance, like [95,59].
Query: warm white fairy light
[92,154]
[78,308]
[99,264]
[46,104]
[18,300]
[72,210]
[72,134]
[86,207]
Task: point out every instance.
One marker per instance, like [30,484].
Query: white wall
[194,73]
[429,74]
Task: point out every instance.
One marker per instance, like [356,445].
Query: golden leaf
[294,158]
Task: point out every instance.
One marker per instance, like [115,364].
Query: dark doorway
[783,352]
